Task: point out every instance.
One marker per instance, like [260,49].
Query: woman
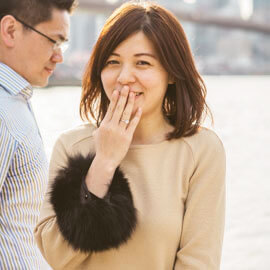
[143,188]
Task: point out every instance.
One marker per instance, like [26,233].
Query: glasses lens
[64,46]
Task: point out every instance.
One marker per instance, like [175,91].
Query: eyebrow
[138,55]
[62,38]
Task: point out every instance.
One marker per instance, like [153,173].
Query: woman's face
[135,63]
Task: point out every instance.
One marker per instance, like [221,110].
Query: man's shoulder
[6,123]
[15,116]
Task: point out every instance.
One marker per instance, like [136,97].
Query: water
[242,120]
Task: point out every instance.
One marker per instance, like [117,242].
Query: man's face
[35,54]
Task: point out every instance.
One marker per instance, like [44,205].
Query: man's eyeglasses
[62,45]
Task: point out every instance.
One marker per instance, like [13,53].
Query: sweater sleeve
[203,221]
[73,221]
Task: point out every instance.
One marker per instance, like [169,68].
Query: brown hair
[34,12]
[184,102]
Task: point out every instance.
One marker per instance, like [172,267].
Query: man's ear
[8,28]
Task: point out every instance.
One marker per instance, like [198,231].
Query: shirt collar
[13,83]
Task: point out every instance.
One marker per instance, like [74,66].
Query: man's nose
[57,56]
[126,75]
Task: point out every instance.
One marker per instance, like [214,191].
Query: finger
[120,106]
[128,109]
[134,122]
[111,108]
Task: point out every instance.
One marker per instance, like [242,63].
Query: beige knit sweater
[178,189]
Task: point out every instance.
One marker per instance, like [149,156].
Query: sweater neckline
[145,146]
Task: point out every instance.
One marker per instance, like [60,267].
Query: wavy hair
[184,103]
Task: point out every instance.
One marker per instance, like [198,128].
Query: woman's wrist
[99,176]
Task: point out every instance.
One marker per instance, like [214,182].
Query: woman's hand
[112,140]
[114,136]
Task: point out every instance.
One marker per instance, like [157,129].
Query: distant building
[216,50]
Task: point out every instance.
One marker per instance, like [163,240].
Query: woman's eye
[143,63]
[112,62]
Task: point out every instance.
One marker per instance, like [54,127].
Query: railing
[190,16]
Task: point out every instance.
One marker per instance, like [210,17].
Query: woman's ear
[171,80]
[8,28]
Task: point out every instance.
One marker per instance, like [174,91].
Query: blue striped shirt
[23,174]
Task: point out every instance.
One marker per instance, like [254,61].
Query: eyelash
[144,62]
[113,62]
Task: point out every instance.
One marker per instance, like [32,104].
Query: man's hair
[184,104]
[34,12]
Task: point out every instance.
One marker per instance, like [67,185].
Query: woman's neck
[151,131]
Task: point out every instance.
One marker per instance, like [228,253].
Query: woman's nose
[126,75]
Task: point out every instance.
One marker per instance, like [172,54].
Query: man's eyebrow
[138,55]
[62,38]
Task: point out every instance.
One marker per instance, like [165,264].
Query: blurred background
[230,40]
[226,36]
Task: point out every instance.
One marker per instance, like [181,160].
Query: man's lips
[50,70]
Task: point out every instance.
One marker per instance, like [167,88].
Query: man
[33,35]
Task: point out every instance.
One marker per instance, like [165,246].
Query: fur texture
[88,223]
